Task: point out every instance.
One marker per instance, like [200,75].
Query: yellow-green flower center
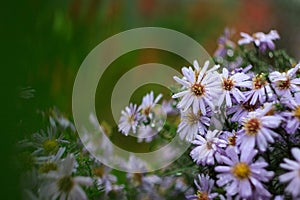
[47,167]
[65,184]
[252,126]
[192,118]
[202,195]
[241,170]
[259,81]
[50,145]
[198,89]
[283,84]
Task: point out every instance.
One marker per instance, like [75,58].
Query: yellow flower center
[137,178]
[228,84]
[65,184]
[50,145]
[202,195]
[241,170]
[47,167]
[259,81]
[297,112]
[198,89]
[232,140]
[99,171]
[252,126]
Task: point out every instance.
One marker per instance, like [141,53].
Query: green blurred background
[44,43]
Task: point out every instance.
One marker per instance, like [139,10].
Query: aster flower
[61,184]
[134,164]
[257,130]
[201,87]
[44,142]
[148,104]
[293,176]
[169,107]
[129,119]
[229,87]
[242,176]
[59,121]
[105,180]
[241,110]
[207,147]
[230,138]
[285,83]
[204,186]
[261,40]
[191,124]
[260,90]
[146,133]
[50,163]
[292,122]
[224,43]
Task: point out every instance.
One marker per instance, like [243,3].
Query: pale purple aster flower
[129,119]
[204,186]
[191,124]
[233,65]
[261,40]
[260,89]
[230,138]
[146,133]
[257,130]
[169,107]
[242,176]
[278,197]
[207,148]
[229,87]
[241,110]
[292,122]
[201,87]
[148,104]
[285,83]
[293,176]
[224,43]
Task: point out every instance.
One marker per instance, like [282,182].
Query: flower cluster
[240,114]
[56,165]
[261,113]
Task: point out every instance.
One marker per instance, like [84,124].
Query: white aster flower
[285,83]
[61,184]
[229,87]
[201,87]
[293,177]
[191,124]
[260,90]
[129,119]
[105,180]
[148,104]
[207,147]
